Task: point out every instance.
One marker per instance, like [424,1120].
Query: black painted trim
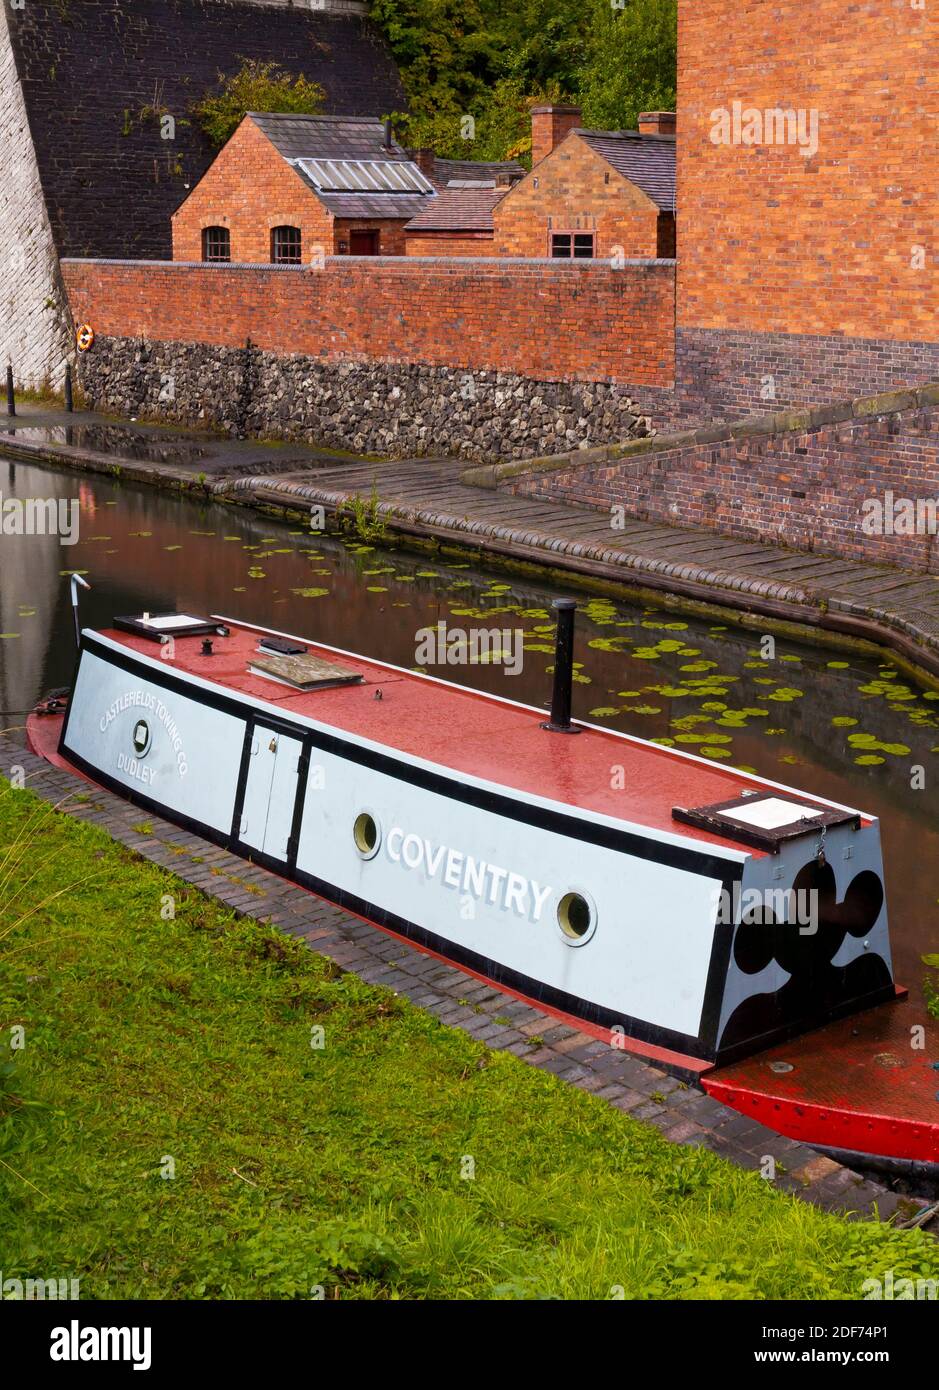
[503,975]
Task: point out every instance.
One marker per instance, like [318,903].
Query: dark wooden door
[363,243]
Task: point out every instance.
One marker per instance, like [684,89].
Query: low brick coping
[803,421]
[456,263]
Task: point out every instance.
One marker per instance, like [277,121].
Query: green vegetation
[170,1127]
[931,984]
[360,517]
[489,62]
[256,86]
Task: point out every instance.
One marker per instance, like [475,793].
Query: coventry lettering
[488,882]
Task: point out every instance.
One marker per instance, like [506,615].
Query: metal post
[75,581]
[560,721]
[68,389]
[11,399]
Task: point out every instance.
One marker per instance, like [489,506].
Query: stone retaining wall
[370,407]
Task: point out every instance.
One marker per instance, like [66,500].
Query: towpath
[449,502]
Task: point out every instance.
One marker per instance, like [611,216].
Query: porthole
[366,834]
[577,917]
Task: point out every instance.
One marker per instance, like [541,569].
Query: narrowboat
[731,930]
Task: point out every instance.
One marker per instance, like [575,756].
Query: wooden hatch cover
[765,820]
[303,671]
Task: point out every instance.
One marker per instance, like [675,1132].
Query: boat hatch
[159,627]
[302,671]
[765,821]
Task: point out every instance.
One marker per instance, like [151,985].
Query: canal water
[850,728]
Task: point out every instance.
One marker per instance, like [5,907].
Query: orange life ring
[85,337]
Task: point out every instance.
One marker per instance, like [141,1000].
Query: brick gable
[574,188]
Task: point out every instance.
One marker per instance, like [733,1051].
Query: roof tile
[458,210]
[646,160]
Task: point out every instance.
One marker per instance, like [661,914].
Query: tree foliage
[256,86]
[631,63]
[472,69]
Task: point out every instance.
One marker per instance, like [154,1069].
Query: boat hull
[480,872]
[474,871]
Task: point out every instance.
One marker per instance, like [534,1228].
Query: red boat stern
[863,1085]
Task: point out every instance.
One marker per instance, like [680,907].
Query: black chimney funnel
[560,721]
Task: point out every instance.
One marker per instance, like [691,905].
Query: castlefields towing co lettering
[77,1343]
[145,699]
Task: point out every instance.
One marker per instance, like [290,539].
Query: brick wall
[795,267]
[574,189]
[34,332]
[449,244]
[722,373]
[800,478]
[545,320]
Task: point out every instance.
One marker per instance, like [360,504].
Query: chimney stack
[657,123]
[424,159]
[389,137]
[549,126]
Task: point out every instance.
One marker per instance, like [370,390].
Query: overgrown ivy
[256,86]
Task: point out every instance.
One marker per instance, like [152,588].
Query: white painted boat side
[473,868]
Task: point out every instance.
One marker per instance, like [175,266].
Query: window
[576,245]
[577,917]
[666,236]
[367,835]
[216,244]
[286,246]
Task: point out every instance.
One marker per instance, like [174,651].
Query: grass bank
[168,1131]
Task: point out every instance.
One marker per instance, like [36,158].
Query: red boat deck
[858,1085]
[478,736]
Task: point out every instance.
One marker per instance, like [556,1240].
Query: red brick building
[458,222]
[591,194]
[808,175]
[288,189]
